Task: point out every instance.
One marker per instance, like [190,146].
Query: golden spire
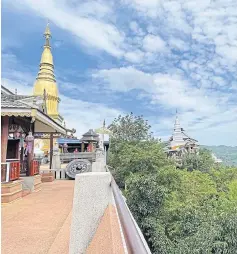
[45,84]
[47,35]
[47,55]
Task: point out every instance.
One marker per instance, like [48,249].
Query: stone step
[60,244]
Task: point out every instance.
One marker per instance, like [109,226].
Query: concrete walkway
[40,222]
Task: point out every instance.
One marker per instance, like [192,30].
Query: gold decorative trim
[15,114]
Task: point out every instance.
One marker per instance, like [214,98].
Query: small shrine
[87,143]
[91,139]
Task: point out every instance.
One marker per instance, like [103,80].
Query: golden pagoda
[45,84]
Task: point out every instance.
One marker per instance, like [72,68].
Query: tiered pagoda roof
[179,138]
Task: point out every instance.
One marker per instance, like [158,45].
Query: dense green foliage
[130,128]
[189,210]
[203,161]
[228,154]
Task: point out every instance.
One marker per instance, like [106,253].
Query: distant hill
[228,154]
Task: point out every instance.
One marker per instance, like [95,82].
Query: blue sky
[149,57]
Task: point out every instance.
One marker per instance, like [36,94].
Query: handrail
[134,242]
[79,155]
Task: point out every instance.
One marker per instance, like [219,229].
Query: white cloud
[124,79]
[153,43]
[170,90]
[136,29]
[94,8]
[15,85]
[148,7]
[83,115]
[92,31]
[134,26]
[211,22]
[228,51]
[134,56]
[178,44]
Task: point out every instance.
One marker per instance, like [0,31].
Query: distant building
[216,160]
[180,143]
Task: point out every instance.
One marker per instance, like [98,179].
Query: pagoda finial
[104,124]
[47,35]
[176,124]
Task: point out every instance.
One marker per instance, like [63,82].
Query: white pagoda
[180,143]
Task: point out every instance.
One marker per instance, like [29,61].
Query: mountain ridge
[228,154]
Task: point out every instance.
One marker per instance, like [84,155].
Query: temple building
[180,143]
[21,117]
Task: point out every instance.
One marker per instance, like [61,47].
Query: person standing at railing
[76,151]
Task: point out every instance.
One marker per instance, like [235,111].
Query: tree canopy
[178,210]
[202,161]
[130,128]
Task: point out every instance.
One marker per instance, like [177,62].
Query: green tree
[145,198]
[182,212]
[134,157]
[130,128]
[133,149]
[202,161]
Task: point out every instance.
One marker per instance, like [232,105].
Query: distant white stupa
[216,160]
[104,134]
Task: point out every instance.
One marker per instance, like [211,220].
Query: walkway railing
[135,241]
[67,157]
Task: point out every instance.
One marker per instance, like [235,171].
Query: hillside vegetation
[192,210]
[228,154]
